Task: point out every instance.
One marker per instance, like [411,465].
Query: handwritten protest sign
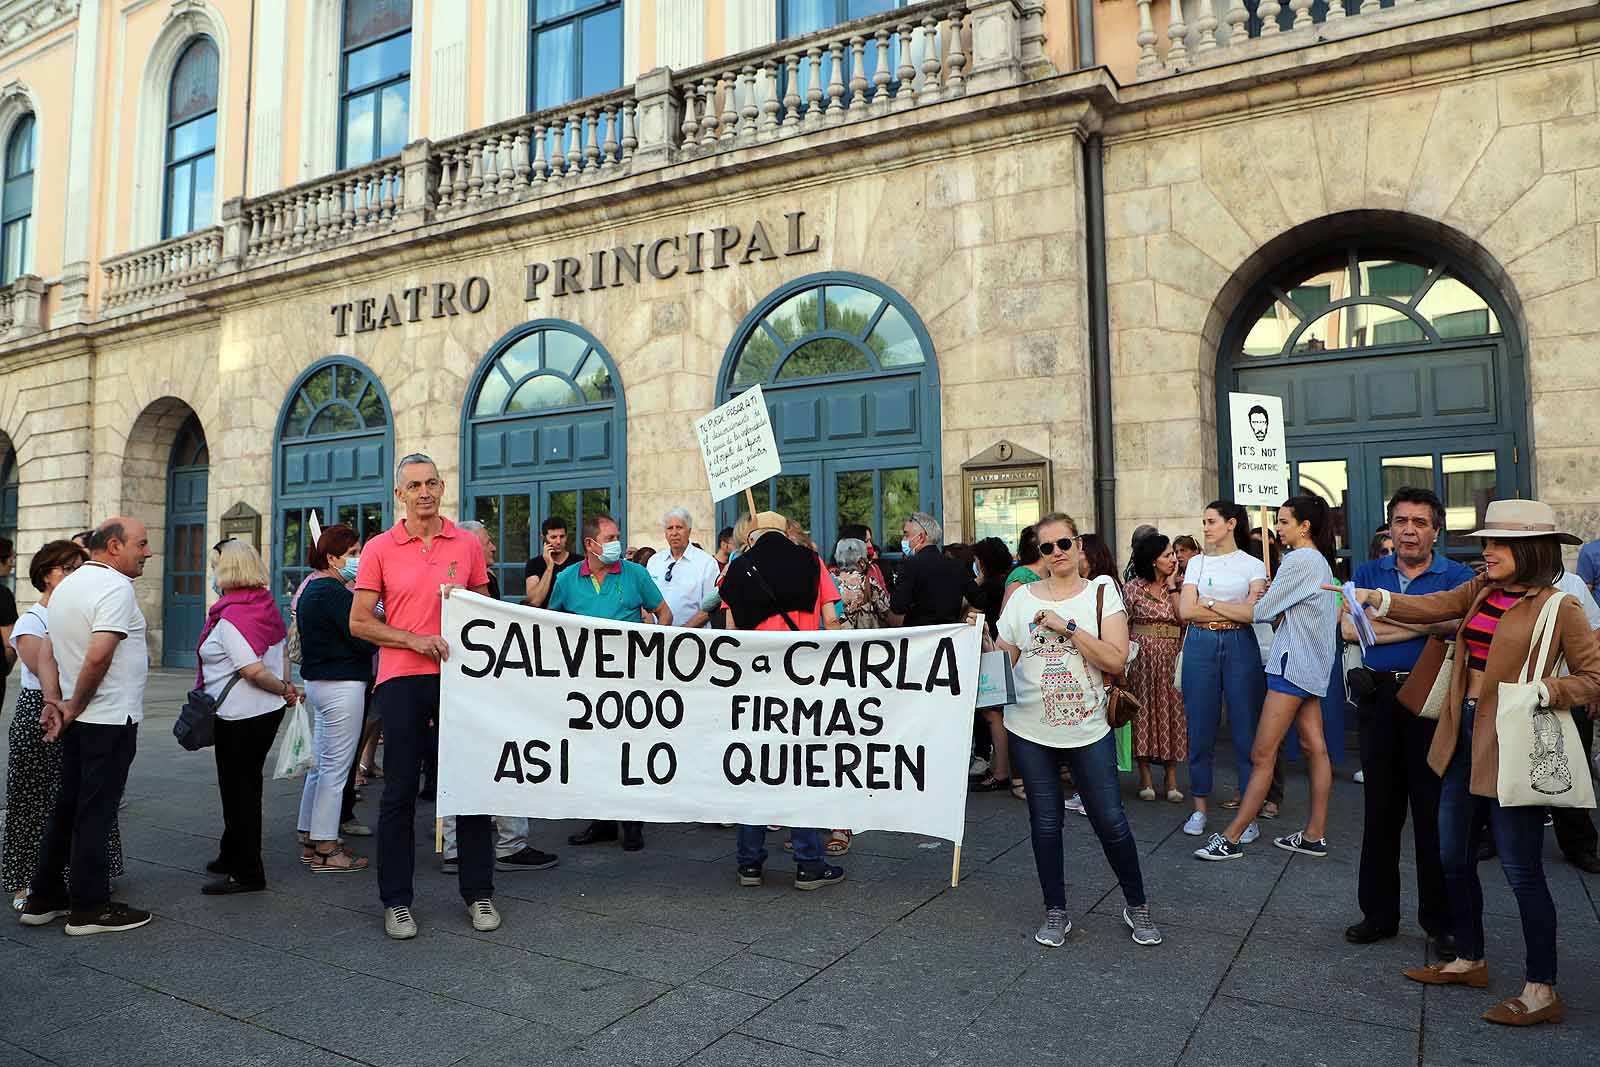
[737,444]
[1260,461]
[559,716]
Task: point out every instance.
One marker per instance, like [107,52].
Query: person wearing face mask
[337,669]
[930,587]
[606,586]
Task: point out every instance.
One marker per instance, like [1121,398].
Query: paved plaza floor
[659,958]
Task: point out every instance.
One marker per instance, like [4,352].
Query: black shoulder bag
[767,589]
[196,727]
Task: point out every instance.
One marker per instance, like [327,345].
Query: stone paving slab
[658,958]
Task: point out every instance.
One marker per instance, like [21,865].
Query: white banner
[737,444]
[559,716]
[1260,461]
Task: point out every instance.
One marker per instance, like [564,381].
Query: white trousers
[336,730]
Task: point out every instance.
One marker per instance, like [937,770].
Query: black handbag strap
[767,589]
[233,681]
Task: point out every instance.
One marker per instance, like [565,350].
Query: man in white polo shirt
[684,573]
[97,634]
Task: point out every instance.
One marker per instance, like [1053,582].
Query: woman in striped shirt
[1305,617]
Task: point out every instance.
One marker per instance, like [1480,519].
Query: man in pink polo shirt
[410,567]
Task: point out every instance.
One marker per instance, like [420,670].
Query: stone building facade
[995,252]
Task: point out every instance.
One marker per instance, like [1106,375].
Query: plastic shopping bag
[1125,748]
[295,751]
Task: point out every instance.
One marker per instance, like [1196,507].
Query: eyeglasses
[1048,548]
[671,565]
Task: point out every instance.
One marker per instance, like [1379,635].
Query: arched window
[1397,366]
[576,50]
[16,210]
[335,445]
[543,438]
[8,491]
[191,149]
[375,80]
[850,379]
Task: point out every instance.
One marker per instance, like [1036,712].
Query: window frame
[841,7]
[170,166]
[346,94]
[575,18]
[29,120]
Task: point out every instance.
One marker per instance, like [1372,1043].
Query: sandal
[989,783]
[1269,810]
[1232,803]
[338,861]
[839,843]
[308,851]
[1018,790]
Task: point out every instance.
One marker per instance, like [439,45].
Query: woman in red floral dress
[1160,732]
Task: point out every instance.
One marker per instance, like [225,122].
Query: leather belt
[1218,625]
[1397,677]
[1157,629]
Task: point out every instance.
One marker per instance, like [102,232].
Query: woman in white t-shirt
[243,644]
[1062,633]
[33,767]
[1221,656]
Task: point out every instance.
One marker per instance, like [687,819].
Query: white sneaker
[1360,777]
[978,767]
[398,923]
[1251,832]
[1195,825]
[1074,804]
[484,917]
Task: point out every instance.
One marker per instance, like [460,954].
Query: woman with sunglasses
[1063,635]
[33,768]
[1221,657]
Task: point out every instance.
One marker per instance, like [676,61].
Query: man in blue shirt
[1589,567]
[1394,742]
[606,586]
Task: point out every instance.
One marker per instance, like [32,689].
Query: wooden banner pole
[750,498]
[438,835]
[955,869]
[1266,541]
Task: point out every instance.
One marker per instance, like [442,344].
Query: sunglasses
[1048,548]
[671,565]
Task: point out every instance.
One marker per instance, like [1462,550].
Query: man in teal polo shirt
[606,586]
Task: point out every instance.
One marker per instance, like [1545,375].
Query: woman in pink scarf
[243,668]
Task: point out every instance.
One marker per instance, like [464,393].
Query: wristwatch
[1072,627]
[1211,602]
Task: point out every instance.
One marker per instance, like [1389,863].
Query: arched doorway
[1398,364]
[853,389]
[183,593]
[9,483]
[334,448]
[542,437]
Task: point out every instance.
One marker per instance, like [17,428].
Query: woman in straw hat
[1522,554]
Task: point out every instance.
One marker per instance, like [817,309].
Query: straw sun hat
[1505,519]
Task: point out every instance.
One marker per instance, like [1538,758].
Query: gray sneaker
[1144,929]
[483,915]
[398,923]
[1053,934]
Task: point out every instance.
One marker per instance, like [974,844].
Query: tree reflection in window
[830,330]
[542,371]
[1366,298]
[339,398]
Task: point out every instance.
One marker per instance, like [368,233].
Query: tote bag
[1541,757]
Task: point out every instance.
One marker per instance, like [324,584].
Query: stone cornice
[25,21]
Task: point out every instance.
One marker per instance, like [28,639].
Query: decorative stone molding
[24,22]
[996,27]
[21,307]
[189,15]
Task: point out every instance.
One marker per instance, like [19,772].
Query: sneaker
[1360,777]
[1053,933]
[449,865]
[978,767]
[529,859]
[1074,804]
[750,876]
[398,923]
[484,917]
[1299,842]
[355,828]
[34,911]
[825,875]
[1251,833]
[1219,848]
[1144,929]
[1195,824]
[111,919]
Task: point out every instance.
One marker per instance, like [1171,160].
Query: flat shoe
[1232,804]
[1147,793]
[1174,796]
[1512,1012]
[1435,974]
[224,887]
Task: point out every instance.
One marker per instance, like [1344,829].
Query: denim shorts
[1277,683]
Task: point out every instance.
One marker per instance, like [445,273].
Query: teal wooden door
[184,579]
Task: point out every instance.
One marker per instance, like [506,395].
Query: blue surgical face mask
[976,573]
[905,546]
[347,570]
[611,552]
[216,586]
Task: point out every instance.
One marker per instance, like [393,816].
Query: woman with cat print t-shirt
[1062,633]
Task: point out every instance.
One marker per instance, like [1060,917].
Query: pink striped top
[1479,632]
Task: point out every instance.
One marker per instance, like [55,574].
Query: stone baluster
[791,92]
[858,78]
[1205,28]
[1177,30]
[1149,62]
[253,245]
[880,74]
[691,119]
[905,91]
[608,148]
[728,89]
[491,168]
[347,192]
[955,60]
[508,169]
[1302,15]
[929,92]
[630,130]
[1267,12]
[475,168]
[749,111]
[541,133]
[770,105]
[1336,11]
[813,117]
[447,186]
[366,194]
[708,113]
[558,152]
[575,146]
[835,112]
[591,149]
[1237,20]
[519,152]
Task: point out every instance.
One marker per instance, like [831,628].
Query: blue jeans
[752,847]
[1519,837]
[1221,665]
[1094,770]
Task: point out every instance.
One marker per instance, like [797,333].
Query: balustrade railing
[355,202]
[8,309]
[162,269]
[1209,32]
